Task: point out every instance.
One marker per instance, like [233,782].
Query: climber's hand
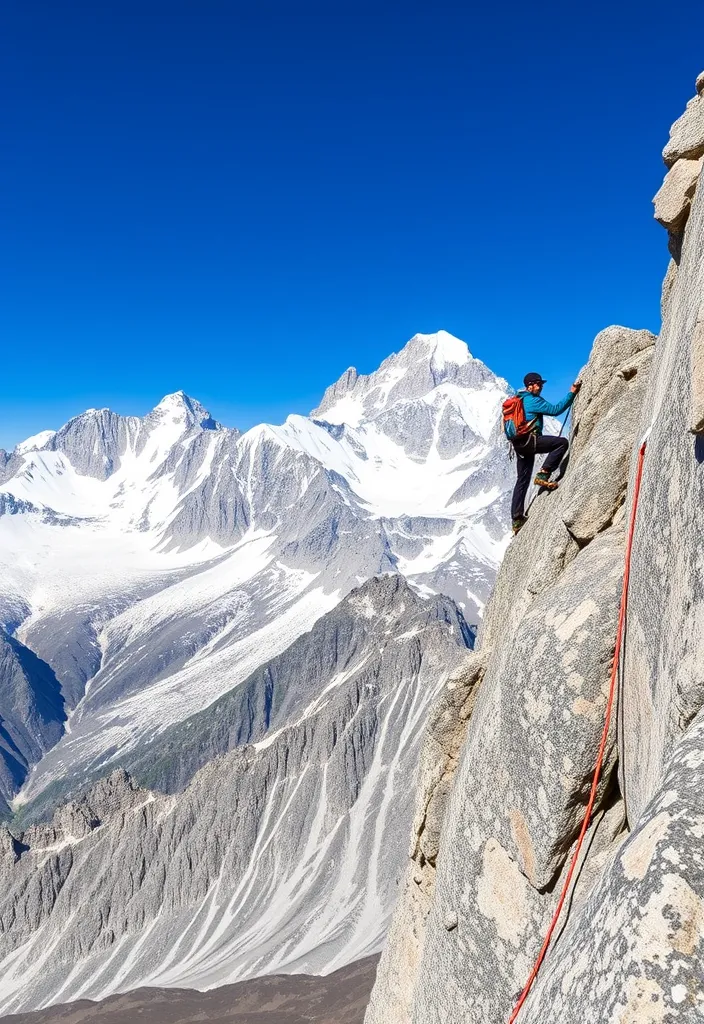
[576,386]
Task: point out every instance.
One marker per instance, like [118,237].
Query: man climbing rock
[524,428]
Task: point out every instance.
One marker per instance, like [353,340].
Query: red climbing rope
[602,747]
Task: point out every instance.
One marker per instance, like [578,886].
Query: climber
[523,423]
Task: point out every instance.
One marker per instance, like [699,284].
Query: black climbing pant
[525,460]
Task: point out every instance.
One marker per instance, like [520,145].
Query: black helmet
[533,378]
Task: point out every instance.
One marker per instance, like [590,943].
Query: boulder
[687,133]
[699,84]
[673,200]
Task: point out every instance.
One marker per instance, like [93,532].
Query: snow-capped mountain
[154,563]
[254,626]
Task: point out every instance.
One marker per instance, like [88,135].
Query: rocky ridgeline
[683,154]
[510,749]
[276,847]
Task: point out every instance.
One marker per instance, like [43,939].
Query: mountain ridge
[280,853]
[174,522]
[253,626]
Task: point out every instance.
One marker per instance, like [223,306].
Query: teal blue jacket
[536,407]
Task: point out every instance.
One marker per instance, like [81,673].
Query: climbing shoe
[518,523]
[543,480]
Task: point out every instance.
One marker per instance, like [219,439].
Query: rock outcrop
[683,156]
[687,133]
[471,917]
[673,201]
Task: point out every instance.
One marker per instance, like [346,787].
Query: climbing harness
[604,736]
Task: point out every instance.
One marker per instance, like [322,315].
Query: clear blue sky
[241,200]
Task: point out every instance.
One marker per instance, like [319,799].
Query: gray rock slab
[635,950]
[696,418]
[663,685]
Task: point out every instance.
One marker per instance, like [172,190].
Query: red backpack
[515,423]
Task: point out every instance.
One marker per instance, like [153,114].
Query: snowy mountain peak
[35,442]
[402,469]
[444,349]
[424,363]
[185,411]
[177,400]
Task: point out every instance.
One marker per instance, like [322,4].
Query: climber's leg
[556,449]
[524,471]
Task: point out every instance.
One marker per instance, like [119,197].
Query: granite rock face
[635,949]
[512,804]
[630,946]
[696,418]
[664,668]
[683,156]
